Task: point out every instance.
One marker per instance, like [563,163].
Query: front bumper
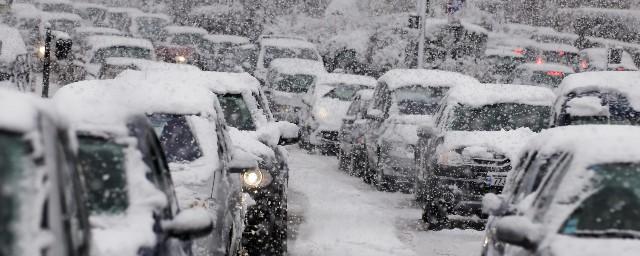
[461,188]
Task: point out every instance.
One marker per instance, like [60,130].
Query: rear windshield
[103,164]
[272,52]
[152,28]
[344,92]
[497,117]
[121,51]
[177,138]
[550,79]
[294,83]
[419,100]
[12,152]
[236,112]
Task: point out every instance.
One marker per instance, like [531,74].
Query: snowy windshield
[178,140]
[236,112]
[344,92]
[497,117]
[294,83]
[549,79]
[600,216]
[104,167]
[121,51]
[12,153]
[419,100]
[151,28]
[272,52]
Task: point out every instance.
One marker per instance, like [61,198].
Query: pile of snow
[174,30]
[18,111]
[488,94]
[587,106]
[12,44]
[398,78]
[298,66]
[555,47]
[511,143]
[625,83]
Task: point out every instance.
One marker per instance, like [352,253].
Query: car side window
[354,107]
[550,185]
[378,102]
[163,172]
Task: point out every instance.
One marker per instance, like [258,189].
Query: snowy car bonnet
[98,113]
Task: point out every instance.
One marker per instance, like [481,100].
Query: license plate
[496,179]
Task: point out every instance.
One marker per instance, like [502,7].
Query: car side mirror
[189,224]
[374,114]
[495,205]
[519,231]
[289,133]
[241,161]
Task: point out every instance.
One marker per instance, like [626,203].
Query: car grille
[498,163]
[330,135]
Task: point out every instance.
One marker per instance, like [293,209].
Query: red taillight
[584,64]
[539,60]
[561,53]
[555,73]
[620,69]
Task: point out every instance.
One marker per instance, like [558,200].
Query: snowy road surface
[334,214]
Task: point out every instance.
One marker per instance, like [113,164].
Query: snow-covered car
[100,48]
[149,26]
[134,206]
[26,18]
[54,5]
[120,18]
[92,13]
[112,67]
[552,53]
[181,44]
[540,74]
[271,48]
[217,52]
[60,21]
[246,109]
[42,198]
[602,97]
[14,59]
[500,64]
[352,154]
[328,102]
[587,204]
[600,59]
[403,100]
[288,81]
[479,133]
[82,33]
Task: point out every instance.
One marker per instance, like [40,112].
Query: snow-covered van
[403,100]
[100,48]
[604,97]
[41,195]
[479,133]
[328,103]
[586,203]
[272,47]
[120,153]
[288,80]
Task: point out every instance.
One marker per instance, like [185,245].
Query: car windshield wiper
[612,233]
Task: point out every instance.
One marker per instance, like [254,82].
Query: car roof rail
[272,36]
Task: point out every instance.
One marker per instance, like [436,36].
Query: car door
[346,129]
[381,99]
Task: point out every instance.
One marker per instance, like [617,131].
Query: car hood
[329,113]
[509,143]
[404,128]
[567,245]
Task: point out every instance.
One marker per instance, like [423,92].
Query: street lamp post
[422,8]
[46,67]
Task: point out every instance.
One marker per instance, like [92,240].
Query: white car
[278,47]
[586,203]
[328,103]
[100,48]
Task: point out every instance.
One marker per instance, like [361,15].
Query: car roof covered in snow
[185,30]
[555,47]
[150,65]
[19,111]
[546,67]
[487,94]
[98,42]
[218,82]
[298,66]
[98,31]
[78,5]
[287,42]
[219,38]
[47,16]
[625,82]
[12,44]
[128,10]
[398,78]
[336,78]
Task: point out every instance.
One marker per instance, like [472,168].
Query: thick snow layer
[18,111]
[287,42]
[49,16]
[219,82]
[219,38]
[214,9]
[128,11]
[365,94]
[298,66]
[340,215]
[555,47]
[99,42]
[547,67]
[12,44]
[174,30]
[150,65]
[509,143]
[334,79]
[24,10]
[627,83]
[434,26]
[587,106]
[488,94]
[598,57]
[98,31]
[569,245]
[248,141]
[78,5]
[398,78]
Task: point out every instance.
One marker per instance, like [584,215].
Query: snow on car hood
[329,113]
[567,245]
[509,143]
[404,128]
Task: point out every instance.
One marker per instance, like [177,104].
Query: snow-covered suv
[479,133]
[403,99]
[271,47]
[586,203]
[41,195]
[605,97]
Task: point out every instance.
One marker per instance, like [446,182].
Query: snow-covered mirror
[189,224]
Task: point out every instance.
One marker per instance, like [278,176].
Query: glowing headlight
[41,51]
[322,113]
[181,59]
[252,178]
